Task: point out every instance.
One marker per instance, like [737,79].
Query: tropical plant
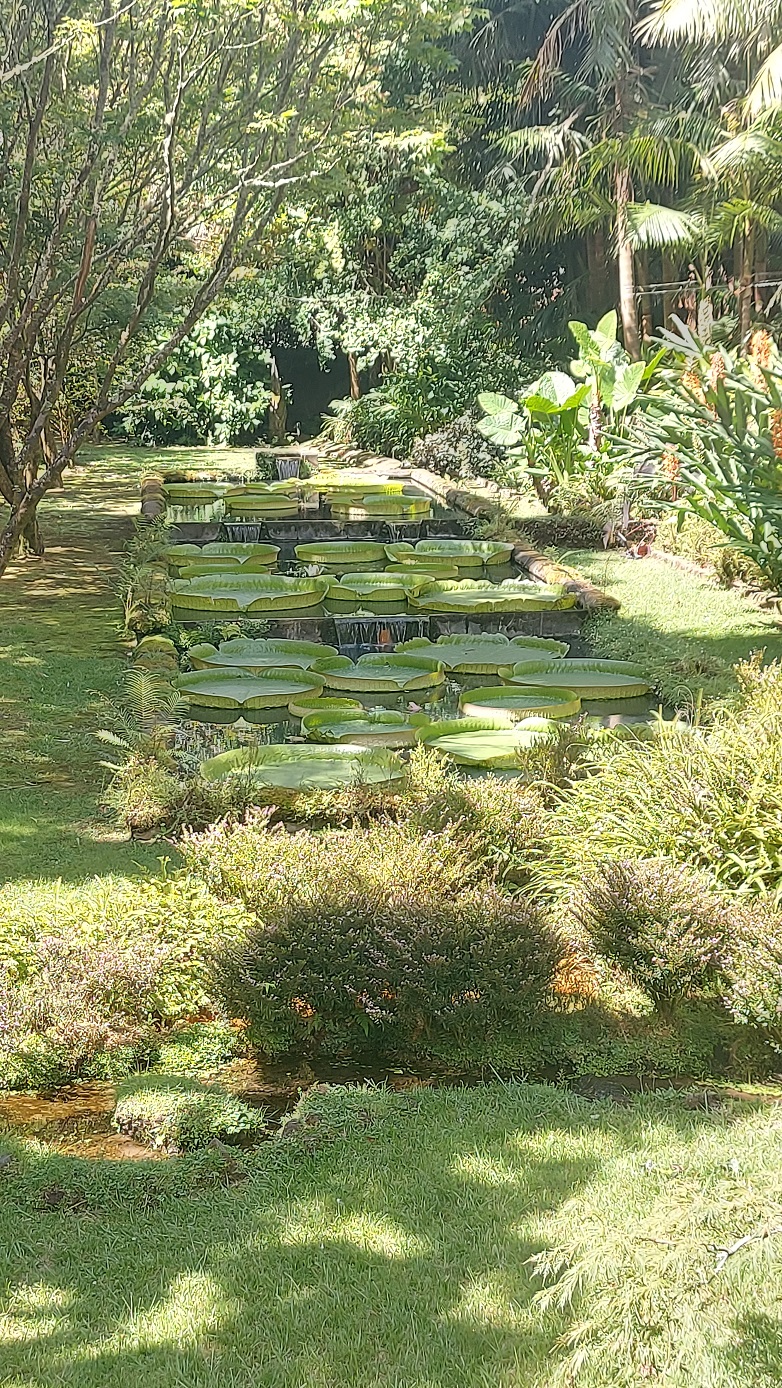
[713,429]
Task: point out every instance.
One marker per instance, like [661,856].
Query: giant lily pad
[193,493]
[242,592]
[467,553]
[270,688]
[479,742]
[373,507]
[335,554]
[378,673]
[257,505]
[480,595]
[353,484]
[484,654]
[591,679]
[305,766]
[380,728]
[319,703]
[516,702]
[430,572]
[261,653]
[381,587]
[218,554]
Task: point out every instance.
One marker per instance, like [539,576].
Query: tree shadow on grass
[396,1257]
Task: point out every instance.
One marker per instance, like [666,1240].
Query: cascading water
[288,467]
[359,635]
[247,532]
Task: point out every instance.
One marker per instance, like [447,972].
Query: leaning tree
[145,142]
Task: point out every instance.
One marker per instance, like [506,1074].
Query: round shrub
[755,995]
[458,450]
[405,970]
[663,923]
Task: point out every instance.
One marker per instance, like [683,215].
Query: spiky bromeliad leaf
[518,703]
[305,766]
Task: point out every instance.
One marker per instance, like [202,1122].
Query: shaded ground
[60,656]
[398,1254]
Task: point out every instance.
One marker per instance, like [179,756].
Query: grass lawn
[398,1256]
[60,654]
[685,631]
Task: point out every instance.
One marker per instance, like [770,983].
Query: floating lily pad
[591,679]
[518,703]
[334,554]
[257,505]
[467,553]
[179,557]
[306,766]
[382,507]
[431,572]
[242,592]
[382,587]
[480,595]
[484,654]
[376,673]
[314,703]
[261,653]
[194,493]
[404,553]
[348,485]
[271,688]
[479,742]
[380,728]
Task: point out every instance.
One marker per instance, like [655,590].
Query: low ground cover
[404,1240]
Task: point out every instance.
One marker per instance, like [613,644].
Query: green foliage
[690,537]
[709,797]
[716,424]
[664,924]
[459,450]
[197,1048]
[214,389]
[569,531]
[382,940]
[181,1115]
[89,975]
[755,995]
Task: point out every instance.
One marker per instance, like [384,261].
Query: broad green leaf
[606,330]
[492,403]
[517,703]
[305,766]
[627,385]
[271,688]
[590,679]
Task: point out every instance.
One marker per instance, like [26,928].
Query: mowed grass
[61,657]
[398,1256]
[686,632]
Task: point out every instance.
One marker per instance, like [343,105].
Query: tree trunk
[647,317]
[669,275]
[746,265]
[761,270]
[355,379]
[597,295]
[627,305]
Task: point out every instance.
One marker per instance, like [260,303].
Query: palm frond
[652,226]
[694,21]
[750,150]
[766,90]
[540,78]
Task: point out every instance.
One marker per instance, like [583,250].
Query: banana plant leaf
[517,702]
[480,595]
[261,653]
[336,553]
[378,673]
[480,742]
[247,593]
[591,679]
[306,766]
[466,553]
[485,654]
[270,688]
[380,728]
